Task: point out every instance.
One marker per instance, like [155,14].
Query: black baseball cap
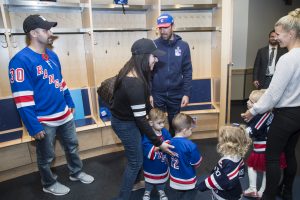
[146,46]
[37,21]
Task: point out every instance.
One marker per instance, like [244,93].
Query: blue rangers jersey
[258,128]
[183,165]
[224,180]
[156,170]
[40,93]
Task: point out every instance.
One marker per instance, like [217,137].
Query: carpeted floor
[107,170]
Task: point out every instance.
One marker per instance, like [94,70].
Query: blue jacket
[173,72]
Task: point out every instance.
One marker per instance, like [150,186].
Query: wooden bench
[11,129]
[203,110]
[83,117]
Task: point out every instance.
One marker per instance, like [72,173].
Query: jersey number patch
[16,75]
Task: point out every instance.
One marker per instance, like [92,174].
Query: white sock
[252,174]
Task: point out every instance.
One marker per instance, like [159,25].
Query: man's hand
[72,110]
[40,135]
[185,101]
[256,84]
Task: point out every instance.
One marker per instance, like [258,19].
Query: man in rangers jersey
[183,165]
[224,180]
[155,164]
[45,104]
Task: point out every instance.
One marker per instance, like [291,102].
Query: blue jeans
[45,151]
[130,136]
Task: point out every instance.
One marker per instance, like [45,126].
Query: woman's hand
[247,116]
[165,147]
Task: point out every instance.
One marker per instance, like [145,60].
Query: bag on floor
[106,90]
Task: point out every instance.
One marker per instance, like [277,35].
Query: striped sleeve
[148,149]
[22,92]
[67,94]
[136,96]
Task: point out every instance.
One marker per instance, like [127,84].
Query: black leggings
[282,137]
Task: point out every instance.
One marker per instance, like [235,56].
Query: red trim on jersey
[210,182]
[156,177]
[259,146]
[262,120]
[183,181]
[23,99]
[56,118]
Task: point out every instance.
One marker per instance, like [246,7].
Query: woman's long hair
[139,64]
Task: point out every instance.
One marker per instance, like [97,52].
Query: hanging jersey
[39,91]
[156,170]
[224,179]
[258,128]
[183,165]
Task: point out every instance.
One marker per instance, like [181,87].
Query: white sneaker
[138,185]
[57,189]
[162,195]
[82,177]
[146,195]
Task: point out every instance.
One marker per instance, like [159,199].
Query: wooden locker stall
[93,43]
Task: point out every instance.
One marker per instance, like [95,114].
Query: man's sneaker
[162,195]
[82,177]
[57,189]
[138,185]
[146,195]
[250,192]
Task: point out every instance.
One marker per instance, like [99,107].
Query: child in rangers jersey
[224,180]
[183,165]
[156,170]
[257,129]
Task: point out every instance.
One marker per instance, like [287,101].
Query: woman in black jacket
[129,109]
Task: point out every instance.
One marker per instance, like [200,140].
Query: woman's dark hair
[140,64]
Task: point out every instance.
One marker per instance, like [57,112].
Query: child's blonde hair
[256,94]
[182,121]
[156,114]
[233,141]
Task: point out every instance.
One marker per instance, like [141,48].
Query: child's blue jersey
[156,170]
[183,164]
[39,91]
[224,180]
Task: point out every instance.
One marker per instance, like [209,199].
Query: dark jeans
[170,103]
[282,137]
[130,136]
[45,151]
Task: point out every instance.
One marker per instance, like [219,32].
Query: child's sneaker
[83,177]
[162,195]
[57,189]
[251,192]
[146,195]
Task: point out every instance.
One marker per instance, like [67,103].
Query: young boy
[156,170]
[183,165]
